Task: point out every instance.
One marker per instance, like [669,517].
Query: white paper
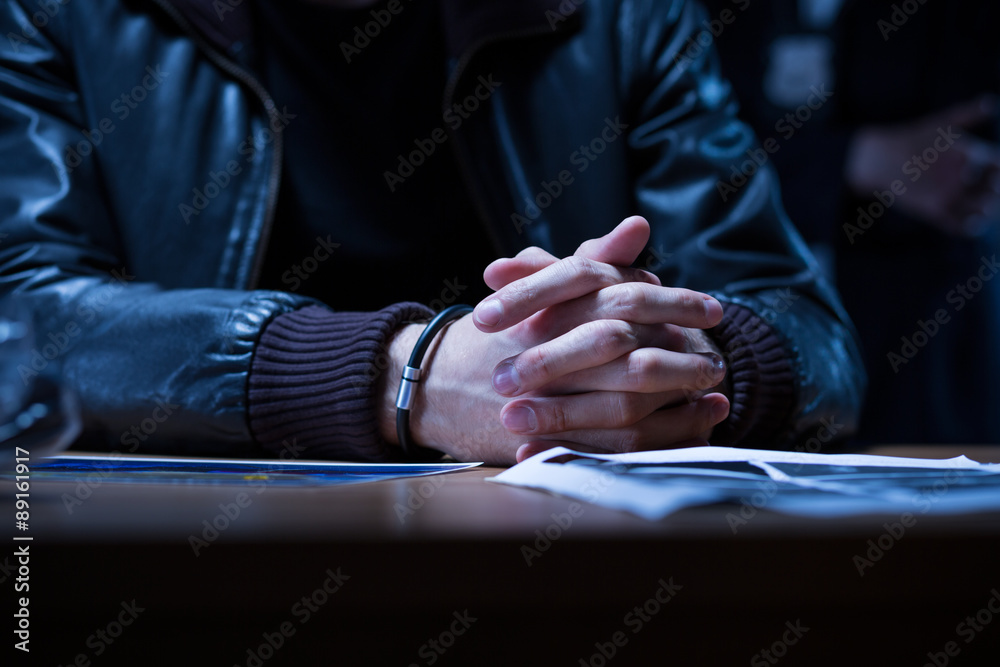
[656,484]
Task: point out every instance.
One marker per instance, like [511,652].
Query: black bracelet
[411,376]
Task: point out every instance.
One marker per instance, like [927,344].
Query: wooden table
[454,570]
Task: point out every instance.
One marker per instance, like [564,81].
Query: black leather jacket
[116,114]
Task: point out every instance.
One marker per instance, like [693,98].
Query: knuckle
[613,338]
[536,365]
[522,291]
[687,300]
[624,409]
[641,369]
[628,299]
[554,417]
[585,270]
[629,440]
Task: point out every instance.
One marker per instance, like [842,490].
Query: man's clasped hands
[582,352]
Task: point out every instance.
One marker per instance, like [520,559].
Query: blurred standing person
[881,118]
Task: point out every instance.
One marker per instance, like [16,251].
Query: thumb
[621,246]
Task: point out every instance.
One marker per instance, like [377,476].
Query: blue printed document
[170,470]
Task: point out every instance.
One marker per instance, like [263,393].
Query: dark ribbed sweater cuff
[314,377]
[762,377]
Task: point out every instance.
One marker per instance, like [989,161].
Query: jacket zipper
[270,108]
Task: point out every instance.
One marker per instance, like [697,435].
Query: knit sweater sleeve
[762,377]
[314,377]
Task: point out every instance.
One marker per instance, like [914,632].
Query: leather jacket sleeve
[143,359]
[712,197]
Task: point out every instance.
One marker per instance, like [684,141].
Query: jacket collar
[467,23]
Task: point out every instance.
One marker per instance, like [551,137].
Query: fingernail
[505,379]
[489,313]
[713,309]
[719,412]
[718,365]
[520,420]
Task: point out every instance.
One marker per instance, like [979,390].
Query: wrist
[399,347]
[417,419]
